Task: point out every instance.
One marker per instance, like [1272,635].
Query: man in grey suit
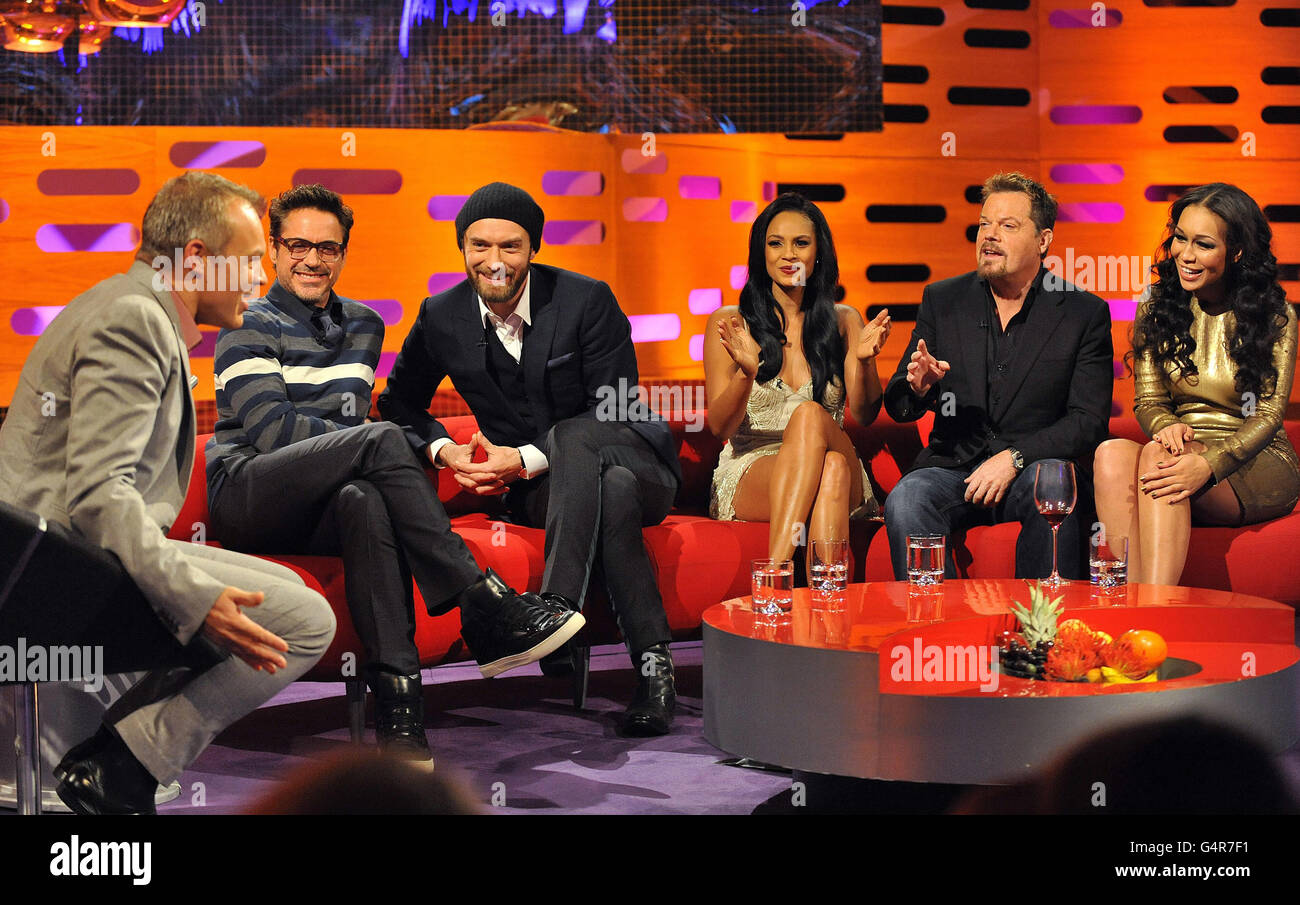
[100,438]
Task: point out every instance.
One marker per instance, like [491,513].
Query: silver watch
[1017,459]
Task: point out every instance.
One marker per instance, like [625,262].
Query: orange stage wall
[945,132]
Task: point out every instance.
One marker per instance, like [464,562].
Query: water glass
[925,559]
[828,571]
[773,585]
[1108,564]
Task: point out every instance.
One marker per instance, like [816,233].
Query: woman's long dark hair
[823,346]
[1252,292]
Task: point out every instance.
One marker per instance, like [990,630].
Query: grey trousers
[171,715]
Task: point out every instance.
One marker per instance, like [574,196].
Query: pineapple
[1038,623]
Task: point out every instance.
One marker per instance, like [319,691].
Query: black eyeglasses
[298,248]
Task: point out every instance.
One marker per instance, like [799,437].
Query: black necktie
[329,332]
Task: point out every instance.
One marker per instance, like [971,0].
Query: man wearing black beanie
[537,353]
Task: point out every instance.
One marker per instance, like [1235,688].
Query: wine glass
[1055,496]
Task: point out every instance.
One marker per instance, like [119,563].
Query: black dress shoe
[399,715]
[505,630]
[110,781]
[651,710]
[91,746]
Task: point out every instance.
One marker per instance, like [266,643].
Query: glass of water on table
[925,560]
[828,572]
[1108,565]
[773,586]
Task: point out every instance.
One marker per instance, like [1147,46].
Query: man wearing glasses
[295,468]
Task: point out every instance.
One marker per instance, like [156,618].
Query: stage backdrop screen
[681,66]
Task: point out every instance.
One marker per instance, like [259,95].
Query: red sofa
[700,561]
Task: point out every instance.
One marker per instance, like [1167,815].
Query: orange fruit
[1150,649]
[1135,653]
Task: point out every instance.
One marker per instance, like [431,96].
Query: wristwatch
[1017,459]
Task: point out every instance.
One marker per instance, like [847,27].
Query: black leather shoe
[651,710]
[505,630]
[399,715]
[91,746]
[110,781]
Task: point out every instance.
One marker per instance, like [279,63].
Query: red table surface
[1230,636]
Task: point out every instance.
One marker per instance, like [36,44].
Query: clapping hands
[873,336]
[740,345]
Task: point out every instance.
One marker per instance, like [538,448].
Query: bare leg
[830,512]
[1167,528]
[840,489]
[784,488]
[1115,469]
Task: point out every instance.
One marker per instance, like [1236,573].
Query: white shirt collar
[523,309]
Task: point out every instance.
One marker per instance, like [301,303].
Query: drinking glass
[925,559]
[1108,565]
[773,586]
[828,571]
[1055,496]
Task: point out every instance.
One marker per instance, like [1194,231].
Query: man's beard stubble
[497,294]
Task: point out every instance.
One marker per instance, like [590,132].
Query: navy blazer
[1057,397]
[578,361]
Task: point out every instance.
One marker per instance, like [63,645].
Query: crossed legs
[809,482]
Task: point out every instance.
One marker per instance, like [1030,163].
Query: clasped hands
[1178,477]
[503,465]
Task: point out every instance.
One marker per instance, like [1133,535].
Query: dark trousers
[358,493]
[932,501]
[604,484]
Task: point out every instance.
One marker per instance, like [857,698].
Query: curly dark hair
[1163,329]
[823,346]
[314,196]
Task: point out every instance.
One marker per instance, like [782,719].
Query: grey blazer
[100,437]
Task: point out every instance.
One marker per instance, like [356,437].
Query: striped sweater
[279,382]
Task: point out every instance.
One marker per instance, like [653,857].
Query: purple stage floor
[520,729]
[518,738]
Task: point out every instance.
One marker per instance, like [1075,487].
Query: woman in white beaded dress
[777,371]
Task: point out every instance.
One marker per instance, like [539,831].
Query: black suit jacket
[578,361]
[1057,398]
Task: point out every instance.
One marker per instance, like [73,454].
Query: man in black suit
[1016,365]
[544,359]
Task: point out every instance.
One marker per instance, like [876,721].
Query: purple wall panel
[203,155]
[573,182]
[703,187]
[59,237]
[574,232]
[352,182]
[88,181]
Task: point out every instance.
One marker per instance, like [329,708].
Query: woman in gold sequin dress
[1214,346]
[779,370]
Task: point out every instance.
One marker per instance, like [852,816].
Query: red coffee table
[846,692]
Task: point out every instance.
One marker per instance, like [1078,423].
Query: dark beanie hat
[501,201]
